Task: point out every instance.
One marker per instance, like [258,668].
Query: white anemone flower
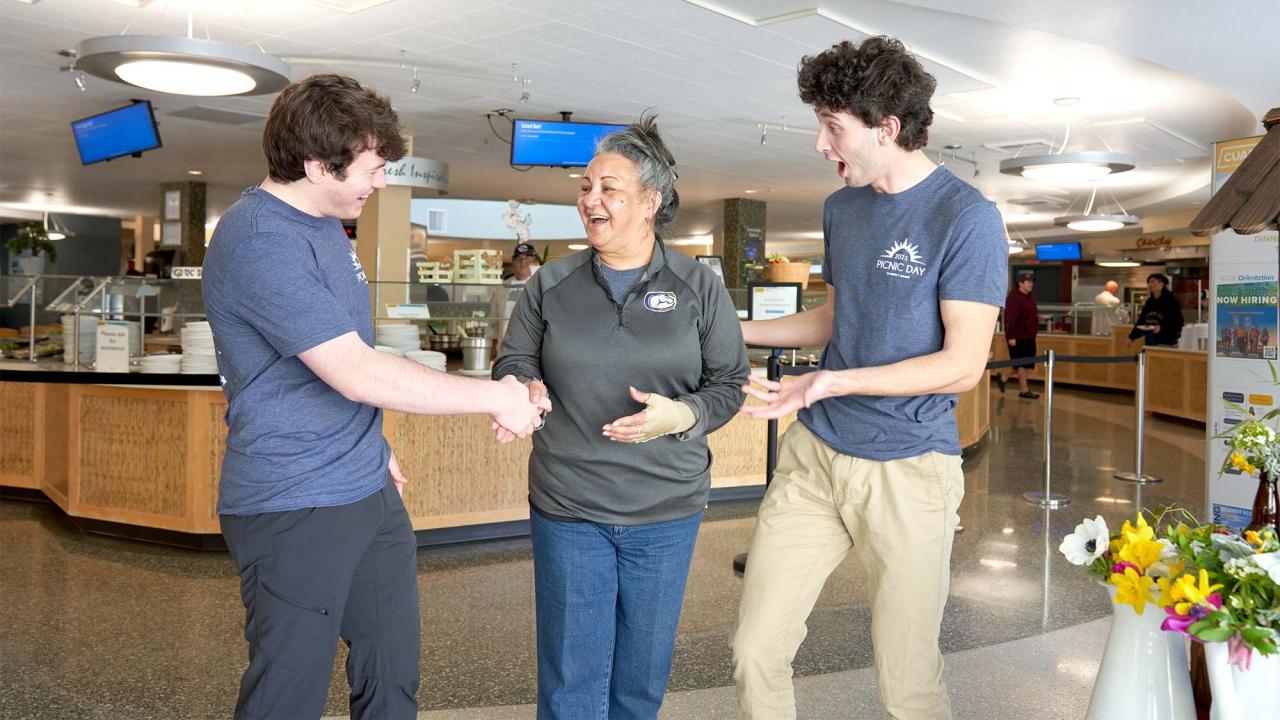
[1163,568]
[1090,540]
[1270,562]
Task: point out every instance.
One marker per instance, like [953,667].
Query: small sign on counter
[181,272]
[409,311]
[112,348]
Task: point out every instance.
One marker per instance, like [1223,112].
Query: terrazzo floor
[96,627]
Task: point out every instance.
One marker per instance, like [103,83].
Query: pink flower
[1238,652]
[1120,566]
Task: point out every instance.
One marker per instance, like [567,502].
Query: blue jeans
[608,601]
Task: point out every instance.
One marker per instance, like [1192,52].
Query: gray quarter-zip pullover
[676,334]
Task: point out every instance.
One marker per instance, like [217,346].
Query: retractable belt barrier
[1045,498]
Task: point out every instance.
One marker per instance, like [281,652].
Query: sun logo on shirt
[903,251]
[359,270]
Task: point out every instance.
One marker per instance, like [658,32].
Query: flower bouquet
[1144,671]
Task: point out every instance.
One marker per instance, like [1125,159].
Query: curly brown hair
[330,118]
[872,81]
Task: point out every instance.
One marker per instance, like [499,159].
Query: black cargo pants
[310,576]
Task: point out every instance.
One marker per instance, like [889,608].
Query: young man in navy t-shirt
[916,271]
[310,494]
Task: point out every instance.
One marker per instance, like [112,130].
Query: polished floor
[102,628]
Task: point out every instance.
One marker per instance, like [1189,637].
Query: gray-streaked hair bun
[641,144]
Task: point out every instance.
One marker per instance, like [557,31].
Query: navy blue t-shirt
[277,282]
[891,258]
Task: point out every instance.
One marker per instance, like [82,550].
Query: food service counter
[138,452]
[1177,380]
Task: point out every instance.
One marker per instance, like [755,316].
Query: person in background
[1160,321]
[1021,325]
[310,494]
[916,270]
[524,263]
[1106,305]
[640,350]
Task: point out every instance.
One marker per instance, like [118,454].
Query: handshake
[520,408]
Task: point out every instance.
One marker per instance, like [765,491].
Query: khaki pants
[899,517]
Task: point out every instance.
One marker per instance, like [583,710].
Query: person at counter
[1106,309]
[916,271]
[1021,325]
[1160,321]
[524,263]
[310,493]
[640,350]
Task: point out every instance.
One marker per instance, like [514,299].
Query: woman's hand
[661,416]
[539,396]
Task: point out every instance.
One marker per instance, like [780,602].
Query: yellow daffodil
[1133,589]
[1239,462]
[1188,593]
[1143,553]
[1252,537]
[1166,592]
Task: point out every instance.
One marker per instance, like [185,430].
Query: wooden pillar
[144,238]
[382,244]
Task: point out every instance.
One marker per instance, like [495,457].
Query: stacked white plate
[163,364]
[88,337]
[197,350]
[389,350]
[402,337]
[430,358]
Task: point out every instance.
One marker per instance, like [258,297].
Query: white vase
[1144,670]
[1237,693]
[31,265]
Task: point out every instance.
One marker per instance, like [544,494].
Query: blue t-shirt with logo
[891,258]
[277,282]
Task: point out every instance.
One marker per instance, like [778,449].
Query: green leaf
[1214,634]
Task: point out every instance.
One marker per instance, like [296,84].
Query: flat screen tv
[555,143]
[129,130]
[1048,252]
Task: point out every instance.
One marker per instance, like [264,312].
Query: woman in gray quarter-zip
[640,351]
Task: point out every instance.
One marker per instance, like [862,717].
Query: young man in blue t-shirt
[916,271]
[310,494]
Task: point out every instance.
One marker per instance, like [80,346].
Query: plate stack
[430,358]
[402,337]
[197,350]
[389,350]
[162,364]
[88,337]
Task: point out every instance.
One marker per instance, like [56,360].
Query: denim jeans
[608,601]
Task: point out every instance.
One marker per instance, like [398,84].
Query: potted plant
[781,269]
[29,244]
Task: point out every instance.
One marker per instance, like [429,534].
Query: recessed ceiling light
[1066,101]
[182,65]
[577,246]
[575,175]
[751,192]
[195,172]
[1116,263]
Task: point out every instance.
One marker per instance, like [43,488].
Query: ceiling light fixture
[182,65]
[1092,221]
[54,229]
[1018,246]
[78,78]
[195,172]
[1068,168]
[1123,262]
[413,87]
[577,246]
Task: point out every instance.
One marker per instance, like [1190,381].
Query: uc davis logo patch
[660,301]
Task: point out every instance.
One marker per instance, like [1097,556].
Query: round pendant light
[1068,168]
[182,65]
[1096,222]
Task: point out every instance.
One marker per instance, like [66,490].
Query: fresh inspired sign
[418,172]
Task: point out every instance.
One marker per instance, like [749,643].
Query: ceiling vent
[218,116]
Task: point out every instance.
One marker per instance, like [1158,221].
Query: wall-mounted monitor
[130,130]
[556,144]
[1049,252]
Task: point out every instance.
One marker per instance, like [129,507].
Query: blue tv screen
[116,133]
[555,143]
[1058,251]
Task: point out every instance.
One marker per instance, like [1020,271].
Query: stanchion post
[1047,498]
[773,372]
[1140,397]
